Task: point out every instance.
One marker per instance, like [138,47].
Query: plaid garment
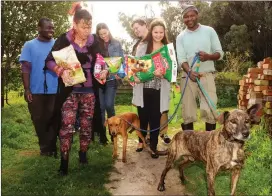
[155,83]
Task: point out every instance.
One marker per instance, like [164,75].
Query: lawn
[24,172]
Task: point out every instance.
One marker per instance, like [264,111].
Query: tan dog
[118,125]
[219,150]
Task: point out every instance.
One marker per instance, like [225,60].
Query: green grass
[24,172]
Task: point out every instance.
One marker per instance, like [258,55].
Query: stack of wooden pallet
[256,87]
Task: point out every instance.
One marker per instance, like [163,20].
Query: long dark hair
[100,26]
[149,39]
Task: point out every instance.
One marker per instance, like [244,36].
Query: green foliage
[227,86]
[237,62]
[126,45]
[255,15]
[126,23]
[238,39]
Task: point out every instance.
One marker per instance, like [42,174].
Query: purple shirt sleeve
[51,65]
[26,67]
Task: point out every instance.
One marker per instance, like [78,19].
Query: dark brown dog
[118,125]
[219,150]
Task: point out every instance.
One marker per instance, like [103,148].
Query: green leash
[210,102]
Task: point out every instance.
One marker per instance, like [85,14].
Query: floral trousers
[84,103]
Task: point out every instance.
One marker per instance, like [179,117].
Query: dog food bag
[165,60]
[67,59]
[141,67]
[114,64]
[121,72]
[99,66]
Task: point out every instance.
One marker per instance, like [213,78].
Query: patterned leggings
[85,104]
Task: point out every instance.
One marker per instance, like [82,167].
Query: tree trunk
[3,88]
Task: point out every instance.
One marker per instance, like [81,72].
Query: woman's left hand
[158,73]
[103,74]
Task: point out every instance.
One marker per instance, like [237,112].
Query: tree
[238,40]
[19,24]
[256,15]
[126,45]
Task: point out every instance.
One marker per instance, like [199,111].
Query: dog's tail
[163,152]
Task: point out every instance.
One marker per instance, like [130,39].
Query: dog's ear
[253,113]
[106,122]
[223,117]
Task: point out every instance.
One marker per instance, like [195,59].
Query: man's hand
[203,56]
[28,95]
[194,75]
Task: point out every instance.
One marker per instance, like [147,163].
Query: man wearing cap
[201,39]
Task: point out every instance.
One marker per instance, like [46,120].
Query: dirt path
[141,174]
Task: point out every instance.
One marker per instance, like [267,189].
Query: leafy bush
[227,87]
[237,63]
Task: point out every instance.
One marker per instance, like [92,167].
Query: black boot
[102,137]
[82,157]
[189,126]
[63,170]
[210,127]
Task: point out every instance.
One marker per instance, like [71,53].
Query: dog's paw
[161,187]
[124,160]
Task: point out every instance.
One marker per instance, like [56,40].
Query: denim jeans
[107,98]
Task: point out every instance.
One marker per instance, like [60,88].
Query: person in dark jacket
[80,97]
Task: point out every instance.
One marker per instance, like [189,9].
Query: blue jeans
[107,98]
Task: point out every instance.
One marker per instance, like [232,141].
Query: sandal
[141,148]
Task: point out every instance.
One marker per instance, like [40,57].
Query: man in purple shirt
[41,98]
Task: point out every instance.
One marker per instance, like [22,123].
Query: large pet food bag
[141,67]
[67,59]
[99,66]
[165,60]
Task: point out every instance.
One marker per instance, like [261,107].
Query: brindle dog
[219,150]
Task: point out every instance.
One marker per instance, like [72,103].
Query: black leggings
[150,114]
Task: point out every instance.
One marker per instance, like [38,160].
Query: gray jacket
[138,98]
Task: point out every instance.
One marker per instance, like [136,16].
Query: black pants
[150,114]
[43,116]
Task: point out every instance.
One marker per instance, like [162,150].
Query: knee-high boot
[63,170]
